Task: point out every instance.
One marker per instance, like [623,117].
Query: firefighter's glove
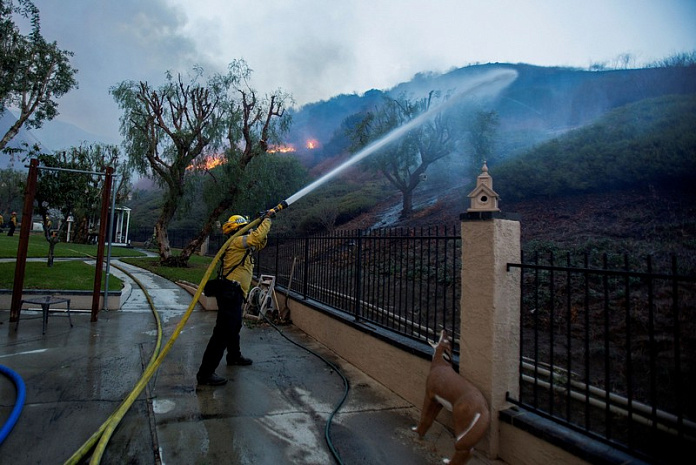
[268,214]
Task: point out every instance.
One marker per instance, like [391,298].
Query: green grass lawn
[76,275]
[72,275]
[38,247]
[69,275]
[193,274]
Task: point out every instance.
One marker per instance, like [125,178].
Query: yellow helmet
[233,223]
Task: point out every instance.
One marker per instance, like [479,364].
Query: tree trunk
[162,227]
[53,237]
[205,231]
[81,235]
[51,253]
[195,243]
[162,237]
[407,203]
[161,234]
[13,131]
[207,228]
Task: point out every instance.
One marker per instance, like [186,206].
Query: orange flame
[281,148]
[207,163]
[312,144]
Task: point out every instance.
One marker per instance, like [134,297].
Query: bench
[45,303]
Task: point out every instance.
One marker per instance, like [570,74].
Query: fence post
[305,286]
[490,312]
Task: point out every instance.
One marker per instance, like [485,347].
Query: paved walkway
[272,412]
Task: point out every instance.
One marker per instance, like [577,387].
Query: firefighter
[238,267]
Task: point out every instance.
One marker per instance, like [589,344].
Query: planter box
[207,303]
[79,300]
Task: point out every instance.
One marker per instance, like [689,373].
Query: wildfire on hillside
[286,148]
[207,163]
[310,144]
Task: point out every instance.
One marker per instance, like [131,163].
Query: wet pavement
[272,412]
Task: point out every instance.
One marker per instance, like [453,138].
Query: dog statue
[447,388]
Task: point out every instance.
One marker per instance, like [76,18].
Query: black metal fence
[611,351]
[178,238]
[405,280]
[608,344]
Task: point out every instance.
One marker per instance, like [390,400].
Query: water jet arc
[487,83]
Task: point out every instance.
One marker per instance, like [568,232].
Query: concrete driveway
[272,412]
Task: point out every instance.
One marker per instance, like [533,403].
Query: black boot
[239,361]
[211,380]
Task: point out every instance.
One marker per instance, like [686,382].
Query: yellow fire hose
[103,434]
[87,446]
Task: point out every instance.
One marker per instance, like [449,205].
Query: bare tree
[256,130]
[677,60]
[168,129]
[405,162]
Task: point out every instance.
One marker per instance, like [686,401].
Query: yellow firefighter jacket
[256,240]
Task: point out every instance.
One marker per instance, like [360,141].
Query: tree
[165,130]
[250,174]
[33,72]
[61,194]
[173,128]
[404,162]
[677,60]
[266,180]
[483,129]
[11,190]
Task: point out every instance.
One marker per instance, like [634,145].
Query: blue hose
[21,395]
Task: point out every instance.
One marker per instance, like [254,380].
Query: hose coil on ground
[19,403]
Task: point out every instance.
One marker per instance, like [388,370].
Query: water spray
[485,84]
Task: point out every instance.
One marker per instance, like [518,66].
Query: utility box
[483,198]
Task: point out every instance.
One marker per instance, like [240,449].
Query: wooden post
[21,263]
[108,179]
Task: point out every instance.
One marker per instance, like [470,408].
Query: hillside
[648,142]
[585,118]
[542,103]
[657,221]
[622,185]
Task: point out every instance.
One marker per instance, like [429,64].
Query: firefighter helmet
[233,224]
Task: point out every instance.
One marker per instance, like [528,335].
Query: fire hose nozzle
[271,213]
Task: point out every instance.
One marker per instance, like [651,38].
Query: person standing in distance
[238,267]
[13,224]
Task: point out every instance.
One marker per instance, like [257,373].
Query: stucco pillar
[203,249]
[490,307]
